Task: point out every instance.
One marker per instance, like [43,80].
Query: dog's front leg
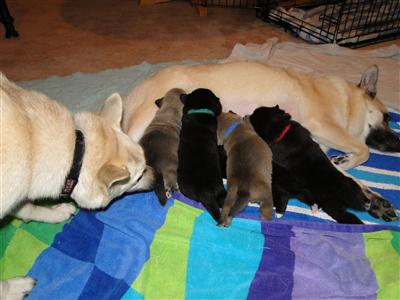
[333,136]
[55,214]
[16,288]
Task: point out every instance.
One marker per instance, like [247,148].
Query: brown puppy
[249,168]
[160,143]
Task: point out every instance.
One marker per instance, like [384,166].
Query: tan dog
[339,114]
[37,148]
[248,168]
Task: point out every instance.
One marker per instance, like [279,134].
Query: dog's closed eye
[141,176]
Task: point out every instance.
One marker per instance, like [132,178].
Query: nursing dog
[160,143]
[199,173]
[248,168]
[45,153]
[339,114]
[309,173]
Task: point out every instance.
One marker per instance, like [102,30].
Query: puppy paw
[381,208]
[314,209]
[168,193]
[17,288]
[266,217]
[169,190]
[345,161]
[225,222]
[61,212]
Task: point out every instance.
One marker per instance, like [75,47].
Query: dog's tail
[159,188]
[242,199]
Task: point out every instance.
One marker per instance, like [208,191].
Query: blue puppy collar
[231,128]
[201,111]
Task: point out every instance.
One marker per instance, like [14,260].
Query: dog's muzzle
[383,139]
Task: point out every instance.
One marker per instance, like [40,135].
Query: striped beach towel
[137,249]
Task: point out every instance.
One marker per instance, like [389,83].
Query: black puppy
[302,170]
[199,173]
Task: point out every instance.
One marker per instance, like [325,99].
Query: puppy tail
[242,198]
[159,188]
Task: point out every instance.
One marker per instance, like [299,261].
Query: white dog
[44,152]
[339,114]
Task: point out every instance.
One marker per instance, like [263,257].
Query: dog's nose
[383,139]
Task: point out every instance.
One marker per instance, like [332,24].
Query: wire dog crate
[258,4]
[350,23]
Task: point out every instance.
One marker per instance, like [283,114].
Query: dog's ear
[183,98]
[112,110]
[369,80]
[110,174]
[158,102]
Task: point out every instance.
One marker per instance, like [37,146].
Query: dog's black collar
[72,178]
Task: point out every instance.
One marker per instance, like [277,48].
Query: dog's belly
[248,108]
[241,88]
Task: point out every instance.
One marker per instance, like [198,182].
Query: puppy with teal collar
[248,168]
[199,172]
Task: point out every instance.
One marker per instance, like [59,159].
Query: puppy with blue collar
[248,168]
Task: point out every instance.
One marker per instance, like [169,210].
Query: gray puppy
[248,168]
[160,143]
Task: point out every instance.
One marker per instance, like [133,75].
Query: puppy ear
[112,110]
[183,98]
[110,174]
[158,102]
[277,106]
[369,80]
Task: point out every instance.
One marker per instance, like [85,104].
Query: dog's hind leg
[213,209]
[280,198]
[333,136]
[221,196]
[159,188]
[339,213]
[263,194]
[370,201]
[55,214]
[229,201]
[170,182]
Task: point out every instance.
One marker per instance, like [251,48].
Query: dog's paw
[16,288]
[170,190]
[381,208]
[61,212]
[225,222]
[314,209]
[168,193]
[344,162]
